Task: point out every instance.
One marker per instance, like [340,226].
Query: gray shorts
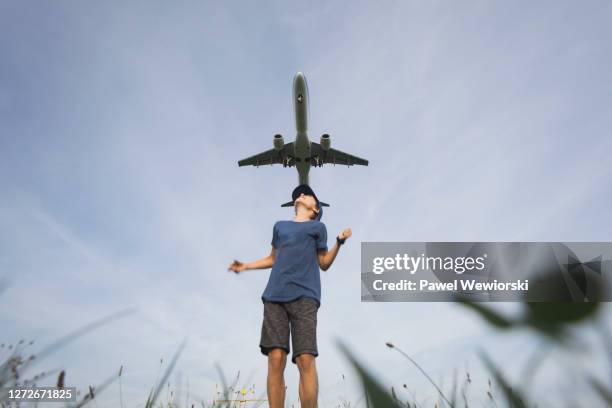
[301,315]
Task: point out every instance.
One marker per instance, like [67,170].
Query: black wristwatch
[340,241]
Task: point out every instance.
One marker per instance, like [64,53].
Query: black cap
[306,190]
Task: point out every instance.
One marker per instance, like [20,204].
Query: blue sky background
[120,128]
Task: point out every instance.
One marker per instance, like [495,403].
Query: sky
[121,125]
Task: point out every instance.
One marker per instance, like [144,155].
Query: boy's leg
[309,382]
[275,344]
[303,316]
[277,358]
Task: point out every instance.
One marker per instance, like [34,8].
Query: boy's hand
[345,234]
[236,266]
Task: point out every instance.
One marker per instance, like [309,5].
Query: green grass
[550,321]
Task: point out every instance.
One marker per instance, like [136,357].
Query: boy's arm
[263,263]
[326,258]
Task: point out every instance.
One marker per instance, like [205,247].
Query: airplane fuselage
[302,143]
[302,153]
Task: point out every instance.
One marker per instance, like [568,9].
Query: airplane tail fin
[290,204]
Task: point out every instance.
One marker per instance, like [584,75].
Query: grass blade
[514,398]
[376,394]
[161,384]
[604,393]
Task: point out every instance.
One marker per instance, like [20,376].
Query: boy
[293,295]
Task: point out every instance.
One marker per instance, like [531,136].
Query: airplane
[302,153]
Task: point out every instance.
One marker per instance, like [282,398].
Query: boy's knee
[277,359]
[305,362]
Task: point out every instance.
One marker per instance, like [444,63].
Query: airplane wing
[333,156]
[272,156]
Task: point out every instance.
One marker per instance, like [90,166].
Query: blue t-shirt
[295,273]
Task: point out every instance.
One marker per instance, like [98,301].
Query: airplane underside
[302,153]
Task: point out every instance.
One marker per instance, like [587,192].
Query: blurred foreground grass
[551,321]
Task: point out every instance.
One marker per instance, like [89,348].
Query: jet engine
[325,141]
[278,142]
